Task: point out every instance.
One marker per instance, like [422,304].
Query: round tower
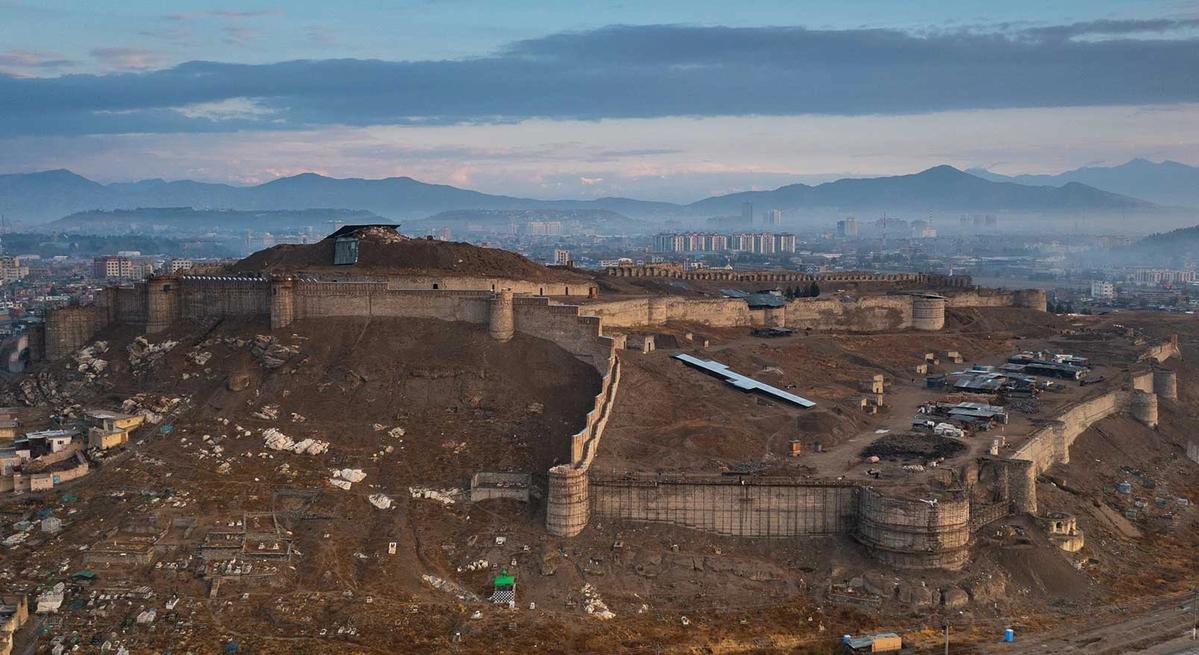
[567,507]
[928,312]
[502,323]
[1165,383]
[283,302]
[1031,298]
[160,303]
[1144,408]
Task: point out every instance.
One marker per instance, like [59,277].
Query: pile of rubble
[35,390]
[345,478]
[273,439]
[88,362]
[142,353]
[151,407]
[270,352]
[446,497]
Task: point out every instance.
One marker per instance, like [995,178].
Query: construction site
[377,444]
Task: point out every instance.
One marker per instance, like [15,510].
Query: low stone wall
[47,480]
[491,485]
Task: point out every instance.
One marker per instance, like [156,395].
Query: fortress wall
[562,324]
[749,507]
[327,299]
[840,278]
[1143,381]
[979,299]
[490,284]
[70,328]
[1051,444]
[1030,298]
[129,305]
[211,297]
[1163,351]
[870,314]
[914,533]
[652,312]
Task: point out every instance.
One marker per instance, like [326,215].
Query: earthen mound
[382,254]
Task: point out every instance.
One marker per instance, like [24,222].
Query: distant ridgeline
[204,220]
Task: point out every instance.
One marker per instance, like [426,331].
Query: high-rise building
[847,228]
[562,257]
[118,268]
[747,213]
[1101,290]
[774,217]
[11,269]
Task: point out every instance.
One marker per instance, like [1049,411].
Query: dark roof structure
[350,230]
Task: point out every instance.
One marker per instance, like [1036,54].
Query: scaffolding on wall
[739,506]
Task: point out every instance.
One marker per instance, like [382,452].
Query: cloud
[236,35]
[128,58]
[20,62]
[638,72]
[235,14]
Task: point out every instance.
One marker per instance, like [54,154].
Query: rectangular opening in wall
[345,251]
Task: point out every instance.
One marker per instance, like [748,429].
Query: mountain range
[48,195]
[1165,183]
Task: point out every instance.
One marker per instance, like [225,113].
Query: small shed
[882,642]
[504,589]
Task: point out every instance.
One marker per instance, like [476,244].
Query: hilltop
[382,251]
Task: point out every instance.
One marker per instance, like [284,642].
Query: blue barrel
[1009,635]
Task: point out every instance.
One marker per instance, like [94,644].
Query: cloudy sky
[669,99]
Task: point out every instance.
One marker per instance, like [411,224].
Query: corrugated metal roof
[742,382]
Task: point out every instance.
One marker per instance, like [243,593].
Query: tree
[814,290]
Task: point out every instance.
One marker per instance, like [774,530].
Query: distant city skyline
[665,101]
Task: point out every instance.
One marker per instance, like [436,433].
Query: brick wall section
[70,328]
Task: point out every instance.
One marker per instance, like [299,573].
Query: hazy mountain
[188,221]
[938,188]
[40,197]
[37,197]
[1164,183]
[1174,249]
[574,221]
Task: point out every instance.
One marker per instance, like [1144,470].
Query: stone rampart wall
[70,328]
[1051,443]
[749,507]
[213,297]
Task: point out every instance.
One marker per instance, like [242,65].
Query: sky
[671,100]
